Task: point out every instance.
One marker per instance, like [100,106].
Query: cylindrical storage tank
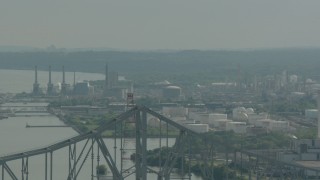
[153,122]
[238,113]
[172,92]
[200,128]
[221,123]
[215,116]
[250,111]
[237,127]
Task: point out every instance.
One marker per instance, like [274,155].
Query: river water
[15,137]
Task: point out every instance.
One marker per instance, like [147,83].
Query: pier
[45,126]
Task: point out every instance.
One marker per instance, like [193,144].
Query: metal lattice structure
[94,146]
[89,150]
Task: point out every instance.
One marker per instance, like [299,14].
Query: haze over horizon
[152,25]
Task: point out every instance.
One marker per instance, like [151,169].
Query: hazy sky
[161,24]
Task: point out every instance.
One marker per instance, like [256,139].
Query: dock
[45,126]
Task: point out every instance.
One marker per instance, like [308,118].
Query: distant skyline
[163,24]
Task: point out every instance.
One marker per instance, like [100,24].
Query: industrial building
[83,89]
[172,92]
[237,127]
[113,88]
[305,152]
[207,118]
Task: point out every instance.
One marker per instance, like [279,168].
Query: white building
[237,127]
[239,113]
[201,117]
[207,118]
[215,117]
[302,150]
[221,124]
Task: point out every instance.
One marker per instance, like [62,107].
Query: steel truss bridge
[89,150]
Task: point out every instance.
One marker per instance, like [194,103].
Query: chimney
[36,88]
[36,75]
[63,76]
[63,85]
[50,85]
[50,75]
[74,78]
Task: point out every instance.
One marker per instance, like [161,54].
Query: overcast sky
[161,24]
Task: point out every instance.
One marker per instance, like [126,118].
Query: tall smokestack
[74,78]
[49,74]
[63,85]
[35,74]
[63,76]
[50,85]
[36,88]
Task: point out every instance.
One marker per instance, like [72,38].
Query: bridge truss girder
[77,156]
[94,146]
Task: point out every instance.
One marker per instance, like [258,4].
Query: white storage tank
[200,128]
[221,124]
[199,117]
[252,118]
[250,111]
[239,113]
[215,116]
[237,127]
[172,92]
[153,122]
